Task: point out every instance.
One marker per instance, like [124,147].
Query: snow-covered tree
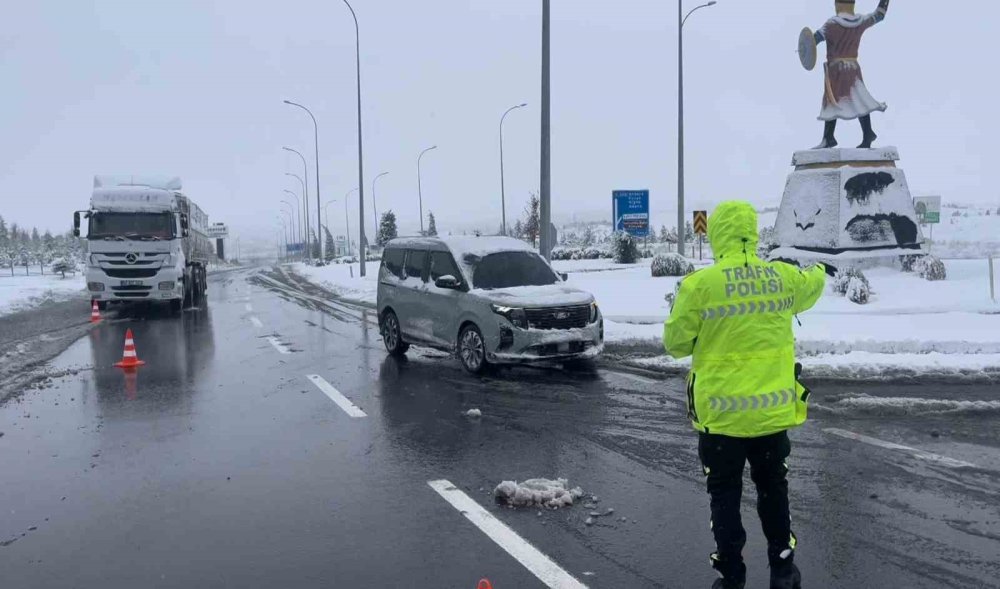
[532,223]
[931,268]
[689,234]
[623,248]
[858,291]
[3,231]
[314,244]
[588,236]
[387,228]
[767,242]
[331,247]
[671,265]
[841,283]
[518,230]
[432,229]
[62,266]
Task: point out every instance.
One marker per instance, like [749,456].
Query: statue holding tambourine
[845,95]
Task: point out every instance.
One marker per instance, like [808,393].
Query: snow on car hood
[552,295]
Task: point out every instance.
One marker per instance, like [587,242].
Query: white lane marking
[531,558]
[343,402]
[249,308]
[256,322]
[278,345]
[928,456]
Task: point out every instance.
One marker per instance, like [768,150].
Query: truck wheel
[472,350]
[102,305]
[187,302]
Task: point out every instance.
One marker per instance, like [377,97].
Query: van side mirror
[76,224]
[448,281]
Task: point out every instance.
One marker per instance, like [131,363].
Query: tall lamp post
[347,220]
[319,230]
[305,209]
[420,193]
[305,175]
[681,19]
[361,161]
[375,208]
[282,219]
[298,212]
[295,213]
[503,196]
[545,152]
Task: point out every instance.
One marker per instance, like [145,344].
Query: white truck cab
[146,242]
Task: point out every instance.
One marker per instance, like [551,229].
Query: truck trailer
[146,243]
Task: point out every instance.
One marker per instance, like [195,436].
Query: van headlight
[594,312]
[517,317]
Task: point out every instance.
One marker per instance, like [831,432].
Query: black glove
[788,261]
[830,270]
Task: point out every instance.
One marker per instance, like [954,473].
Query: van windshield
[510,269]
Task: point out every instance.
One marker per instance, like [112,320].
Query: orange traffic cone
[484,584]
[129,359]
[95,313]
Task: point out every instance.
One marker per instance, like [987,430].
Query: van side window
[416,260]
[442,264]
[392,262]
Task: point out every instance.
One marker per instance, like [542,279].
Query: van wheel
[472,349]
[176,306]
[392,337]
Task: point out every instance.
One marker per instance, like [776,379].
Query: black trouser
[723,458]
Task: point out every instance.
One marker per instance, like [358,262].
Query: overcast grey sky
[194,88]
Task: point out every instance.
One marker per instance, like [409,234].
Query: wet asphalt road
[220,464]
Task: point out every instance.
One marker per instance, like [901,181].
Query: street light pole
[420,192]
[347,220]
[545,167]
[295,214]
[361,161]
[680,118]
[316,139]
[375,208]
[298,212]
[503,196]
[305,174]
[305,211]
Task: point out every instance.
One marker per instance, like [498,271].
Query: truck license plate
[131,283]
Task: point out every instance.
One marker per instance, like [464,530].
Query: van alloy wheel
[391,335]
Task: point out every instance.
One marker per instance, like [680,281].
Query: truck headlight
[93,260]
[167,285]
[95,286]
[517,317]
[594,312]
[168,260]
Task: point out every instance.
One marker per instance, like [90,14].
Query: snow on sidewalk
[344,280]
[20,292]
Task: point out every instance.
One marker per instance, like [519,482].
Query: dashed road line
[540,565]
[916,453]
[343,402]
[256,322]
[249,308]
[282,348]
[633,377]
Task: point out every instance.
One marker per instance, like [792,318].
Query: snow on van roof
[462,245]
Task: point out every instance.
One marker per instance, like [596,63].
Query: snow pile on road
[884,406]
[544,492]
[22,292]
[473,413]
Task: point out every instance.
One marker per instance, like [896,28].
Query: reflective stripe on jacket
[735,319]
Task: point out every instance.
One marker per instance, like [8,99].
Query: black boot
[786,576]
[866,129]
[828,139]
[724,584]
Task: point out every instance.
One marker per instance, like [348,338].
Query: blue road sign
[295,248]
[630,212]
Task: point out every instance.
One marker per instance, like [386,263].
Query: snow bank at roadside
[856,404]
[344,280]
[544,492]
[18,293]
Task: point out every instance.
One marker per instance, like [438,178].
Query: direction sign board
[218,231]
[630,212]
[701,222]
[928,209]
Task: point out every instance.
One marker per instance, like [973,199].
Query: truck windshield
[140,226]
[510,269]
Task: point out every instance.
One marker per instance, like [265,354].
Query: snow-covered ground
[20,292]
[910,327]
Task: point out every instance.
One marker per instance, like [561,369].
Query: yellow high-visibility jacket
[735,319]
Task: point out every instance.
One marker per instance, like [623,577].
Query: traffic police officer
[735,319]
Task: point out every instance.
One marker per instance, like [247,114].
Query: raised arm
[880,12]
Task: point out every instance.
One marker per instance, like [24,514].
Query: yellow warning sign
[701,222]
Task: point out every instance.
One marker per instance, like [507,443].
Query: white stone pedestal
[847,203]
